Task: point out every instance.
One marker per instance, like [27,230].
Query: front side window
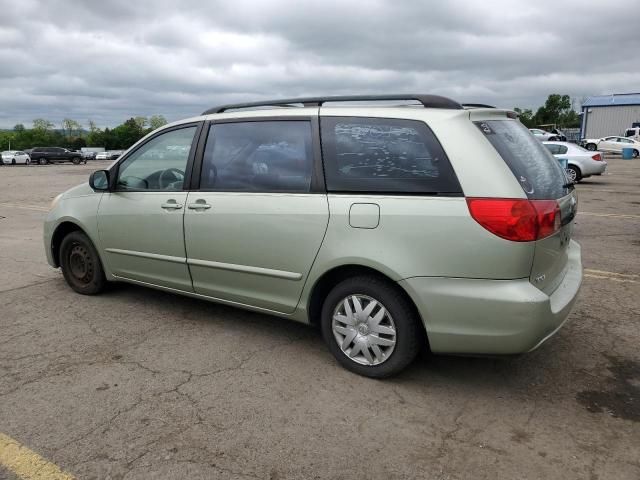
[384,155]
[159,164]
[263,156]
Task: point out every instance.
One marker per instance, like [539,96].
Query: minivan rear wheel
[42,161]
[81,264]
[370,327]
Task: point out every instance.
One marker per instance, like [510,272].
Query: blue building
[604,115]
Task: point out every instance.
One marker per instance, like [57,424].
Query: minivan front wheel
[370,327]
[81,264]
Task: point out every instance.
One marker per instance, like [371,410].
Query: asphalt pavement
[137,383]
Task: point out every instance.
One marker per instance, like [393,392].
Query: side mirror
[99,181]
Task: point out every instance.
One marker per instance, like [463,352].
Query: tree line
[557,110]
[74,136]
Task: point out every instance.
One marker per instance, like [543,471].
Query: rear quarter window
[538,172]
[381,155]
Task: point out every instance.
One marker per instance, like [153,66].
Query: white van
[633,132]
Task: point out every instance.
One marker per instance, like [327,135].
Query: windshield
[539,173]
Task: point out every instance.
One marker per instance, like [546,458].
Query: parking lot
[137,383]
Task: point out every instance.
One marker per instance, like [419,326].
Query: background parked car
[581,163]
[88,155]
[612,144]
[633,133]
[543,135]
[560,134]
[44,155]
[13,157]
[103,156]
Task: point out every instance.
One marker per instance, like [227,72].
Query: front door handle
[171,205]
[199,205]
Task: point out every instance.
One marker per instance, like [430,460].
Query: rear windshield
[538,172]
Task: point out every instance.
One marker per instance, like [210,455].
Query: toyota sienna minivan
[390,227]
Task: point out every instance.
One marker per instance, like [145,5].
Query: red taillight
[597,157]
[516,219]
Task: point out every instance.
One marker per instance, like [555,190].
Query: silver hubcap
[571,174]
[364,330]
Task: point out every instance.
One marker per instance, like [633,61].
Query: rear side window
[538,172]
[554,149]
[265,156]
[384,155]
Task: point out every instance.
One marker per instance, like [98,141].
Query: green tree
[78,143]
[69,126]
[142,122]
[18,128]
[157,121]
[42,125]
[525,116]
[127,134]
[558,110]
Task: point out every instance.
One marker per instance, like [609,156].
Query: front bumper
[47,237]
[487,317]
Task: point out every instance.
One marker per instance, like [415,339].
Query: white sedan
[543,135]
[581,163]
[612,144]
[13,157]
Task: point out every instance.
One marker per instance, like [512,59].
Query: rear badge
[540,278]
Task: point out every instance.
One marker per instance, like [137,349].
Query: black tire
[635,154]
[76,161]
[553,139]
[591,147]
[408,331]
[577,172]
[42,161]
[81,264]
[13,161]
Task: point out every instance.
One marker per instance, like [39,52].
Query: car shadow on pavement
[501,371]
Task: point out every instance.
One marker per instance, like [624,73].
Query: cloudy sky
[108,60]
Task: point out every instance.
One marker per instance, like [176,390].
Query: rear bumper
[476,316]
[595,168]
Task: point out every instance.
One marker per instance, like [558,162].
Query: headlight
[55,201]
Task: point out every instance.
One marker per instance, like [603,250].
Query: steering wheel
[163,181]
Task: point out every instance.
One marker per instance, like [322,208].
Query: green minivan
[389,226]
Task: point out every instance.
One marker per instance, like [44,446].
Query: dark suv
[44,155]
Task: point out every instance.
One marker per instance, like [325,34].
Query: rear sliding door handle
[199,206]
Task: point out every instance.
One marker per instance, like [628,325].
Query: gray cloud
[113,59]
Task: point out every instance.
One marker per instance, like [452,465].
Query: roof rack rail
[476,105]
[427,101]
